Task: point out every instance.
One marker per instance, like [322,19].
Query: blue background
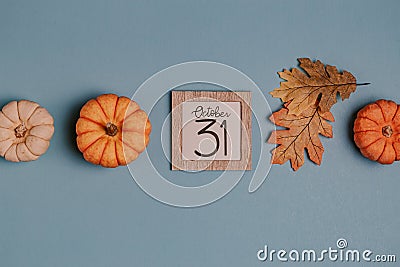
[62,211]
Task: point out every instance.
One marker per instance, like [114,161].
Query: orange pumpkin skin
[112,131]
[377,131]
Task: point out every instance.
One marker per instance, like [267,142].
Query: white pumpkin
[25,131]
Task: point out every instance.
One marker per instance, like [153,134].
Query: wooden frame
[180,97]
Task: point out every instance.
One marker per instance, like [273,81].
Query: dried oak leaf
[318,81]
[302,133]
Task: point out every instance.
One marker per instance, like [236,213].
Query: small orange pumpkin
[377,131]
[112,131]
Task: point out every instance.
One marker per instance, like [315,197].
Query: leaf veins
[319,82]
[302,133]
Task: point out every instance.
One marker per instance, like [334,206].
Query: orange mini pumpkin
[377,131]
[112,131]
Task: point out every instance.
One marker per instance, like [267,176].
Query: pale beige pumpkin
[25,131]
[112,131]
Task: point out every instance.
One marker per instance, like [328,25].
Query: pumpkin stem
[387,131]
[111,129]
[20,131]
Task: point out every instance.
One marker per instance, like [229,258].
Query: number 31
[215,135]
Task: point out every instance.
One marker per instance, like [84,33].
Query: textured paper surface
[195,118]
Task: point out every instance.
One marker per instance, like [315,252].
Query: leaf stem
[360,84]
